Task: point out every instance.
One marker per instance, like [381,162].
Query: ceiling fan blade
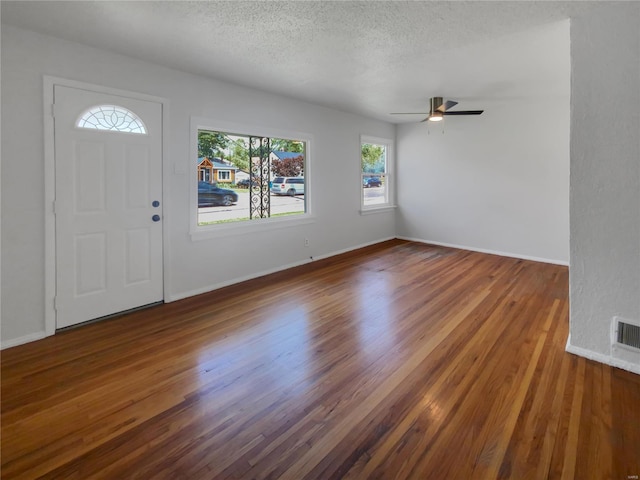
[409,113]
[464,112]
[446,106]
[427,118]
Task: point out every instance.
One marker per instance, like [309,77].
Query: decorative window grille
[113,118]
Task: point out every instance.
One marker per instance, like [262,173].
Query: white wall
[497,182]
[605,177]
[194,266]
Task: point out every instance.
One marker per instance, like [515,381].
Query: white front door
[108,187]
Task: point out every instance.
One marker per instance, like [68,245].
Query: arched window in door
[113,118]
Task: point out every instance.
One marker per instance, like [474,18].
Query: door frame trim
[49,83]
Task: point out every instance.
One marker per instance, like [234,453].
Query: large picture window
[243,177]
[376,169]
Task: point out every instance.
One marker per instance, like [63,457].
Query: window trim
[390,203]
[203,232]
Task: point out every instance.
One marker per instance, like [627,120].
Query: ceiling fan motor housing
[435,102]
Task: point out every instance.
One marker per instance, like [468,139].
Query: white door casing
[108,246]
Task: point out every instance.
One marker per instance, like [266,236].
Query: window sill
[248,226]
[381,209]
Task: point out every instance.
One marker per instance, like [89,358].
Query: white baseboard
[226,283]
[351,249]
[484,250]
[601,358]
[32,337]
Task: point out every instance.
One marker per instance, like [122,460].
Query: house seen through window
[243,177]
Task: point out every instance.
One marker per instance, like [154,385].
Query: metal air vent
[628,334]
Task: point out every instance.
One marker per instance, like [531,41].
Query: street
[374,195]
[279,205]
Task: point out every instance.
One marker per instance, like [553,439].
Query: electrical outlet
[306,242]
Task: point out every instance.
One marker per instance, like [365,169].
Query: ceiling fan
[438,109]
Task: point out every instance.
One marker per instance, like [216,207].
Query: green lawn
[241,219]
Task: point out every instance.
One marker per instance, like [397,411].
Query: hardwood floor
[397,361]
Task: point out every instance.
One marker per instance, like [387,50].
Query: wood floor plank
[575,423]
[397,361]
[418,426]
[515,406]
[625,389]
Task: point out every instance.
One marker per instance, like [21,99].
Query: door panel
[136,177]
[108,247]
[137,261]
[89,177]
[90,263]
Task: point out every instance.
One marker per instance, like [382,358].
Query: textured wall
[193,266]
[605,174]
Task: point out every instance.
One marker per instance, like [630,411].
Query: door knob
[156,218]
[155,203]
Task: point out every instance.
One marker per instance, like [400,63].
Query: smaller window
[224,175]
[113,118]
[375,173]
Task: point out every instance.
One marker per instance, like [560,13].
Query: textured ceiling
[370,58]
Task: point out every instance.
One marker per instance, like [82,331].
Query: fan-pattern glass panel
[111,117]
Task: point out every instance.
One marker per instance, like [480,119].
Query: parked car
[209,195]
[288,186]
[371,182]
[246,183]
